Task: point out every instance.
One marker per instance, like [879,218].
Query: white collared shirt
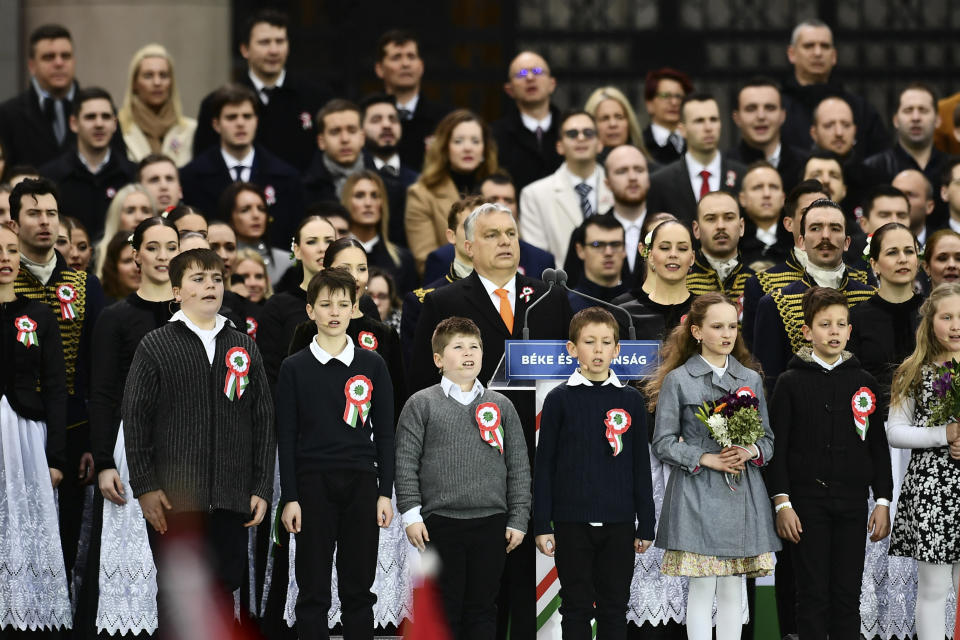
[695,168]
[95,169]
[631,234]
[453,391]
[369,244]
[410,106]
[323,356]
[392,161]
[511,288]
[246,162]
[259,85]
[774,158]
[660,134]
[593,181]
[922,236]
[823,363]
[533,124]
[767,236]
[719,371]
[578,379]
[207,336]
[954,224]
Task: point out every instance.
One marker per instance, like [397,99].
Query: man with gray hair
[813,56]
[496,297]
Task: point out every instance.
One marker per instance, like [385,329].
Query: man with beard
[717,267]
[383,130]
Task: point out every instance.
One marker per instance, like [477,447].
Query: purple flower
[942,384]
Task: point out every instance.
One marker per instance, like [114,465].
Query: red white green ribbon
[488,419]
[26,331]
[525,293]
[252,326]
[864,403]
[238,368]
[67,295]
[745,391]
[359,392]
[367,340]
[618,422]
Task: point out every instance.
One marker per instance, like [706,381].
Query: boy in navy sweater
[335,441]
[593,501]
[463,479]
[827,415]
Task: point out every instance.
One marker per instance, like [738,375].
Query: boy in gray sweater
[463,479]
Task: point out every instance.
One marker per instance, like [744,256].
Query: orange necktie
[506,313]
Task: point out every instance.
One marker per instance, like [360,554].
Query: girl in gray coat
[713,531]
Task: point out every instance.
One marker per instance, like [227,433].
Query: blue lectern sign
[549,360]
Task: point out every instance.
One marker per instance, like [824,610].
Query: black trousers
[595,567]
[472,554]
[71,494]
[785,590]
[339,510]
[828,562]
[218,538]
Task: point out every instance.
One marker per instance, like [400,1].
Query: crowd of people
[183,303]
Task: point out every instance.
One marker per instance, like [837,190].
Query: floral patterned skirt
[694,565]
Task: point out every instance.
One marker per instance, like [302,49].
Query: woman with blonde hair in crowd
[460,156]
[151,117]
[132,205]
[616,120]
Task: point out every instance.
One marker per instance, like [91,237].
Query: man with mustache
[383,131]
[779,316]
[719,227]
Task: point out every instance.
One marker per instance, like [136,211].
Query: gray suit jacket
[700,513]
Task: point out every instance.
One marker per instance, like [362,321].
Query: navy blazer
[205,178]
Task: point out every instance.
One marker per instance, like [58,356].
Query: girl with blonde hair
[132,205]
[151,117]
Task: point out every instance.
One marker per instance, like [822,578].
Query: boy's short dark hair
[154,158]
[91,93]
[454,326]
[333,279]
[31,187]
[48,32]
[272,17]
[592,315]
[336,106]
[464,204]
[233,93]
[816,299]
[204,259]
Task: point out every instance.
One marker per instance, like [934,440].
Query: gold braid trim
[699,283]
[790,308]
[771,281]
[70,330]
[421,293]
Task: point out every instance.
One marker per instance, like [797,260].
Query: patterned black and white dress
[928,513]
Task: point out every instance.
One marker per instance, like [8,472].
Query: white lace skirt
[33,581]
[128,576]
[393,585]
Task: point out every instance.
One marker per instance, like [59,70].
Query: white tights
[729,608]
[932,592]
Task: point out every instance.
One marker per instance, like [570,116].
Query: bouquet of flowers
[733,421]
[946,391]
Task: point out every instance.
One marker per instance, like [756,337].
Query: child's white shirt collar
[345,356]
[719,371]
[823,363]
[452,390]
[207,336]
[578,379]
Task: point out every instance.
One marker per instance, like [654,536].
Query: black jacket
[205,178]
[671,191]
[884,334]
[85,195]
[468,298]
[285,127]
[518,150]
[318,185]
[396,195]
[790,166]
[412,145]
[33,381]
[404,273]
[819,453]
[662,155]
[753,252]
[652,320]
[410,313]
[888,163]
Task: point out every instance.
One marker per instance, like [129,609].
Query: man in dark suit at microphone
[497,297]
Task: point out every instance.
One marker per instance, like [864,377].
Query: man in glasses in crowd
[552,207]
[663,91]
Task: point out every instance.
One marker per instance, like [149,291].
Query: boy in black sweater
[592,497]
[198,422]
[335,479]
[827,417]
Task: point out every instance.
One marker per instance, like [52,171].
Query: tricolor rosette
[491,429]
[252,326]
[864,402]
[359,393]
[618,422]
[745,392]
[67,295]
[525,293]
[26,331]
[238,370]
[367,340]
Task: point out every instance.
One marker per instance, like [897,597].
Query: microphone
[550,277]
[561,277]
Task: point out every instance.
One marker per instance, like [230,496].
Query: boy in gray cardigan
[463,478]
